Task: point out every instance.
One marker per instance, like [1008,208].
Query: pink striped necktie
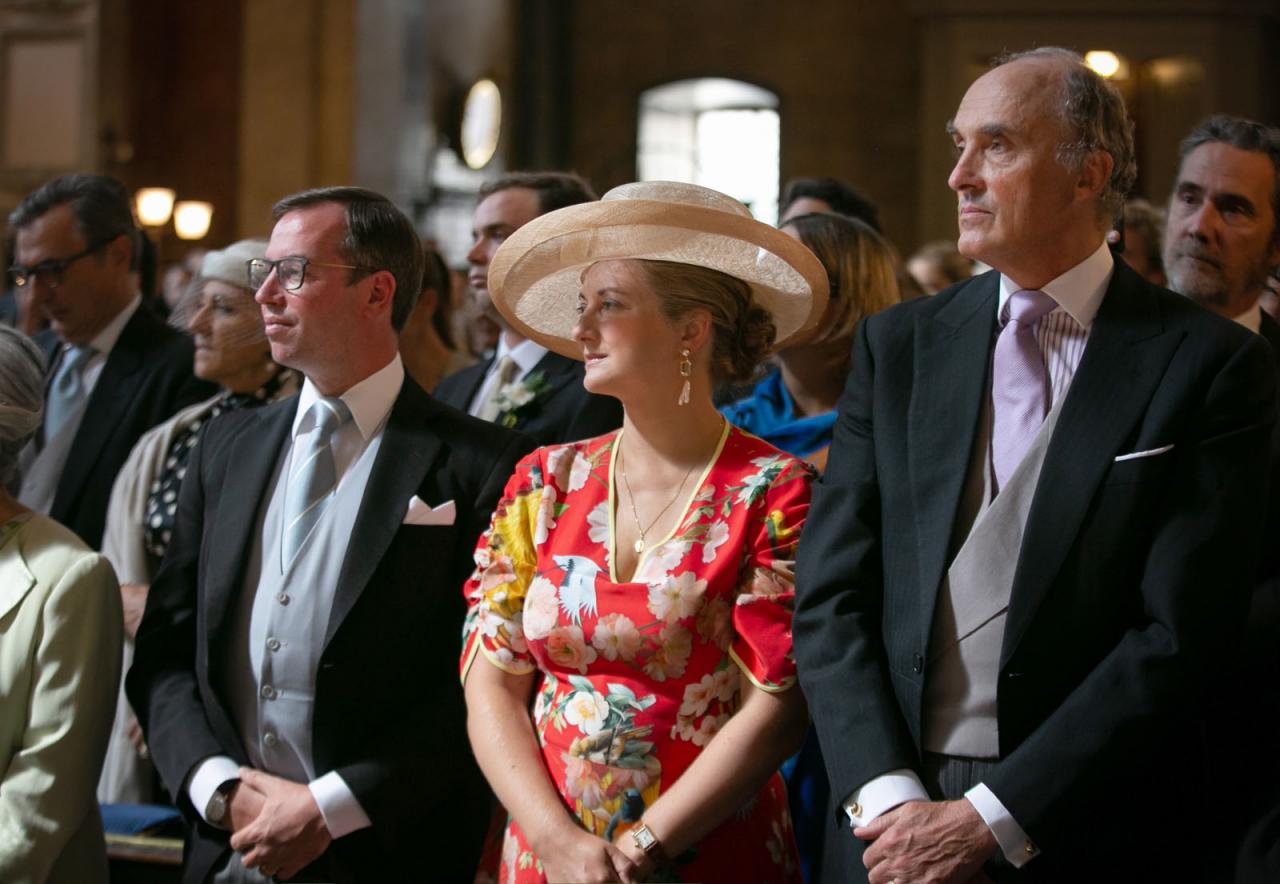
[1019,382]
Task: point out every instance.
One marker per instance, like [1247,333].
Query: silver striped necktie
[312,480]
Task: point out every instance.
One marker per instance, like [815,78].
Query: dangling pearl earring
[686,369]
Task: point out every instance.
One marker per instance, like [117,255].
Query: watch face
[217,808]
[644,838]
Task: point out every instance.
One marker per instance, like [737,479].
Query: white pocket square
[1150,452]
[422,513]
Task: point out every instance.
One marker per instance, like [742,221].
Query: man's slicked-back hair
[1094,119]
[100,205]
[555,189]
[1242,134]
[379,237]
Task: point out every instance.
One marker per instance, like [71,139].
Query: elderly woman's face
[231,346]
[627,341]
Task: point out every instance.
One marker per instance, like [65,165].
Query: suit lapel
[1123,362]
[250,464]
[479,372]
[952,351]
[557,371]
[407,451]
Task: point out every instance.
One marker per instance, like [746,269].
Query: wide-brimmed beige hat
[535,276]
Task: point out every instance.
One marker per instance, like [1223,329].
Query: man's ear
[1095,172]
[382,292]
[119,252]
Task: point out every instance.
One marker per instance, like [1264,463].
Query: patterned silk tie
[506,372]
[313,478]
[1019,384]
[66,393]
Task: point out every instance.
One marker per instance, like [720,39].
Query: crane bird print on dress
[578,589]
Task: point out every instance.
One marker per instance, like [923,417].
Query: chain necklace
[639,545]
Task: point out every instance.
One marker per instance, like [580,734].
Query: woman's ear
[695,330]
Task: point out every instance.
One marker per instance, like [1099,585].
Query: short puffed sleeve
[766,592]
[505,561]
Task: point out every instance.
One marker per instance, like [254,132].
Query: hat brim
[535,276]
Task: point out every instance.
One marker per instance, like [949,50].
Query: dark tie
[1019,383]
[313,478]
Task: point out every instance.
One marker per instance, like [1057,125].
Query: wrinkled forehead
[1024,95]
[1220,168]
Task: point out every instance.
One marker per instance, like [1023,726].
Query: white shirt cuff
[205,779]
[341,811]
[1017,848]
[883,793]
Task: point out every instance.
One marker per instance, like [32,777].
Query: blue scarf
[770,413]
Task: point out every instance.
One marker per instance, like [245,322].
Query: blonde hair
[742,331]
[861,270]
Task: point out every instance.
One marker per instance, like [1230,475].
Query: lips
[478,280]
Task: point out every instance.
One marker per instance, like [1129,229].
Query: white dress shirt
[353,445]
[1062,335]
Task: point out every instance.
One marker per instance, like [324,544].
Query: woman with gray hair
[60,635]
[231,349]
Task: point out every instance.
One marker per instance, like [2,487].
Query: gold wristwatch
[644,838]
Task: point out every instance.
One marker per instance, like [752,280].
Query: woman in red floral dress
[637,587]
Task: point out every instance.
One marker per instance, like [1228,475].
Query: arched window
[716,132]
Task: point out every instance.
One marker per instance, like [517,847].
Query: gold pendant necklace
[639,545]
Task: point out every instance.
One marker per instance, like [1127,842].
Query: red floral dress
[637,677]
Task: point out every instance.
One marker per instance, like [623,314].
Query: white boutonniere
[519,398]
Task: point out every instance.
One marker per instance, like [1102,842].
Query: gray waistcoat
[274,651]
[968,624]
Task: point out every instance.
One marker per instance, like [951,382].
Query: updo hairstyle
[21,397]
[742,331]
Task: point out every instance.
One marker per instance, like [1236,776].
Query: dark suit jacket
[1245,720]
[1132,581]
[566,412]
[146,379]
[389,713]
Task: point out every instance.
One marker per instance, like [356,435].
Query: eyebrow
[992,130]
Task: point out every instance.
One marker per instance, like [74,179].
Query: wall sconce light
[1107,64]
[154,205]
[481,124]
[191,218]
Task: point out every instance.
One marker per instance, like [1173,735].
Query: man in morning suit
[1037,529]
[1222,241]
[552,405]
[293,668]
[115,369]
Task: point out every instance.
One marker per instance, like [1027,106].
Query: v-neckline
[612,549]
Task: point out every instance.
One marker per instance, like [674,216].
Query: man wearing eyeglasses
[294,667]
[115,370]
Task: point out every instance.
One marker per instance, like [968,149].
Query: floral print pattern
[637,677]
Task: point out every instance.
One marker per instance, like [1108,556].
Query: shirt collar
[1251,318]
[1079,291]
[105,341]
[370,400]
[526,354]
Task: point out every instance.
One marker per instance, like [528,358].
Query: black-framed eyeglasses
[290,271]
[49,271]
